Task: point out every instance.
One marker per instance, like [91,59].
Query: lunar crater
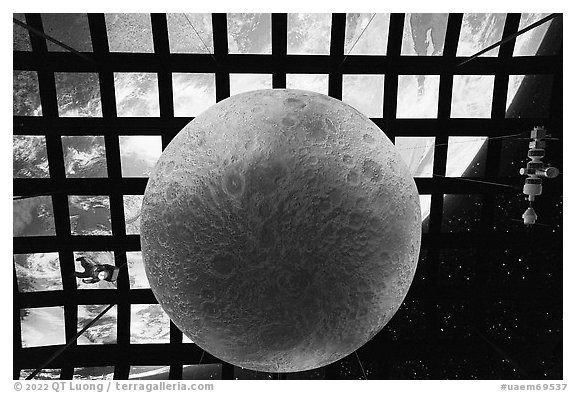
[279,232]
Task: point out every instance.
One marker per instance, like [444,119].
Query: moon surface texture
[280,230]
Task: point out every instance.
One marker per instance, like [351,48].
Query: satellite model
[535,170]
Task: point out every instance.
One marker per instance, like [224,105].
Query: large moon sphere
[280,230]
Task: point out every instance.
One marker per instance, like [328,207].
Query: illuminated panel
[136,272]
[42,326]
[190,33]
[103,331]
[241,83]
[472,96]
[202,371]
[38,272]
[30,158]
[186,339]
[417,153]
[33,217]
[26,94]
[78,94]
[129,33]
[311,82]
[84,156]
[528,43]
[45,374]
[425,201]
[478,32]
[365,93]
[149,324]
[366,34]
[309,34]
[193,93]
[249,33]
[424,34]
[96,373]
[20,36]
[70,29]
[149,372]
[136,94]
[138,154]
[90,215]
[539,90]
[132,209]
[462,150]
[418,96]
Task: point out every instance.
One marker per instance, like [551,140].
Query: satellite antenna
[536,171]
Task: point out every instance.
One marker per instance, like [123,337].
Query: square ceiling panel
[190,33]
[103,331]
[418,96]
[84,156]
[312,82]
[90,215]
[478,32]
[70,29]
[528,43]
[249,33]
[138,154]
[21,38]
[78,94]
[42,326]
[33,217]
[193,93]
[26,98]
[472,96]
[417,153]
[241,83]
[309,34]
[38,272]
[365,93]
[30,158]
[129,33]
[136,94]
[424,34]
[366,34]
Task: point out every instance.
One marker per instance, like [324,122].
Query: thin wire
[360,363]
[358,39]
[479,181]
[537,223]
[54,40]
[20,197]
[510,37]
[72,340]
[201,40]
[467,141]
[201,357]
[501,352]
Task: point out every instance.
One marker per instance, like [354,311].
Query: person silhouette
[93,272]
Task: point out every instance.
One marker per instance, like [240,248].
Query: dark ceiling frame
[123,354]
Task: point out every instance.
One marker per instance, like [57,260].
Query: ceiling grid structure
[384,354]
